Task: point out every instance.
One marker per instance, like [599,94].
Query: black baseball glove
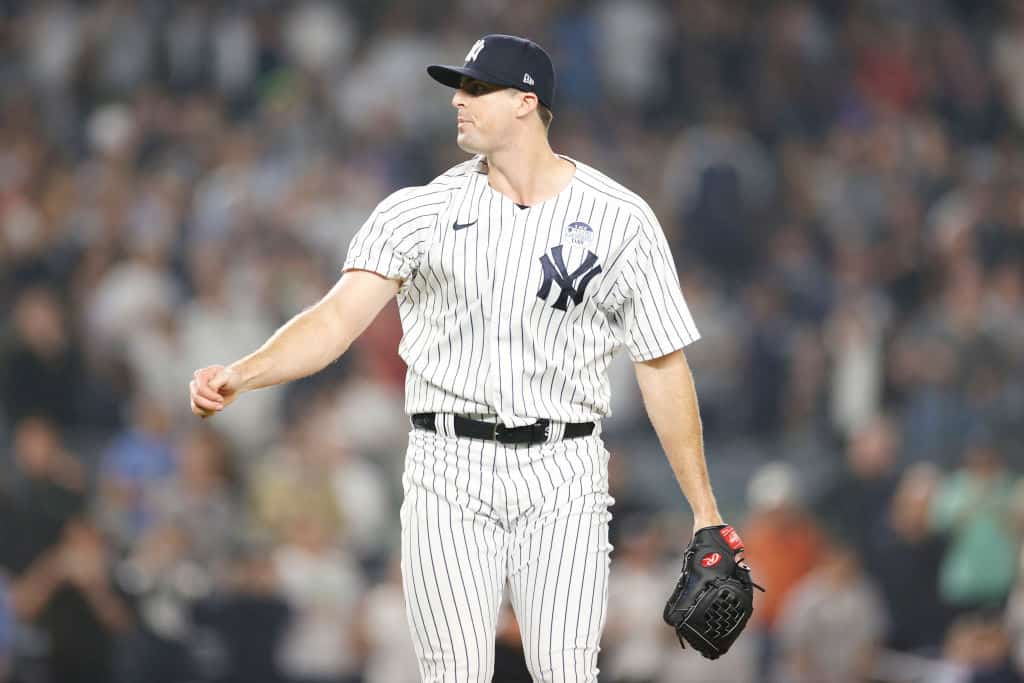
[714,597]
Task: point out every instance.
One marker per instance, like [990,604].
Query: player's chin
[466,144]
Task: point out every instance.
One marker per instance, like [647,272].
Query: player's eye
[476,88]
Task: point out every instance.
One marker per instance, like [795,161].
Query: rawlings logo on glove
[714,597]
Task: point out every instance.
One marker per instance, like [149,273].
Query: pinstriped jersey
[517,311]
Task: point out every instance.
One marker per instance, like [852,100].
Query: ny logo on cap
[474,51]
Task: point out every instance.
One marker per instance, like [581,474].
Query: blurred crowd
[842,182]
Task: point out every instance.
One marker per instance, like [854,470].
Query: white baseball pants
[478,515]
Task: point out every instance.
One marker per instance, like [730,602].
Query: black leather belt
[495,431]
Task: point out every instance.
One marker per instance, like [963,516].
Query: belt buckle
[545,430]
[500,432]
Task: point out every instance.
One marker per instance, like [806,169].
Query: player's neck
[529,174]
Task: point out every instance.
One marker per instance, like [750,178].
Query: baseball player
[519,273]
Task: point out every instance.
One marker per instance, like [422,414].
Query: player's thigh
[453,572]
[559,587]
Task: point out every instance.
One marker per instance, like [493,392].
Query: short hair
[545,114]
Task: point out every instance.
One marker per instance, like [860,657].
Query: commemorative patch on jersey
[578,233]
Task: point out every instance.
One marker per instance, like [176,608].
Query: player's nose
[459,98]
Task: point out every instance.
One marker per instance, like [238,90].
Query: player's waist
[541,431]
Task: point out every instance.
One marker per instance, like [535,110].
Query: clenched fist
[212,389]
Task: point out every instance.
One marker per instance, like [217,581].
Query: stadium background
[842,185]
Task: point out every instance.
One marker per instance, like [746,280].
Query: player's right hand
[212,389]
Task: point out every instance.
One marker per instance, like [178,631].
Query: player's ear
[527,104]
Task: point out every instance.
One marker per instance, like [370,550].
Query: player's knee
[463,674]
[451,668]
[569,665]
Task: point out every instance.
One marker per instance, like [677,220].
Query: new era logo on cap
[508,61]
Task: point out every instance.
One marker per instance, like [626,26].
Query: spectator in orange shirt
[782,539]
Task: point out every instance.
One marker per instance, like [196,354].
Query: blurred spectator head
[774,487]
[205,460]
[314,525]
[938,363]
[148,415]
[909,511]
[37,446]
[112,131]
[872,451]
[840,564]
[251,569]
[982,455]
[207,263]
[318,35]
[39,322]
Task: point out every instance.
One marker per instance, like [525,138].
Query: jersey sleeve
[390,242]
[653,317]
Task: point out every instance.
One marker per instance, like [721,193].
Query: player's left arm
[713,597]
[671,402]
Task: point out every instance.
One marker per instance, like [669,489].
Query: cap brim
[452,75]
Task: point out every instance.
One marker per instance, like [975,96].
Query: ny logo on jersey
[474,51]
[555,271]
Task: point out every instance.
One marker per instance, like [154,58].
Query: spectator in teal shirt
[974,506]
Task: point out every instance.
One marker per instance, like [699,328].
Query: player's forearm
[304,345]
[316,337]
[671,401]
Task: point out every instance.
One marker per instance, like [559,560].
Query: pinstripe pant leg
[453,567]
[559,579]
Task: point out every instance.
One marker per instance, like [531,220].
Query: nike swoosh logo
[460,226]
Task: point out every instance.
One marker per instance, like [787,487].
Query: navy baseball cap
[510,61]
